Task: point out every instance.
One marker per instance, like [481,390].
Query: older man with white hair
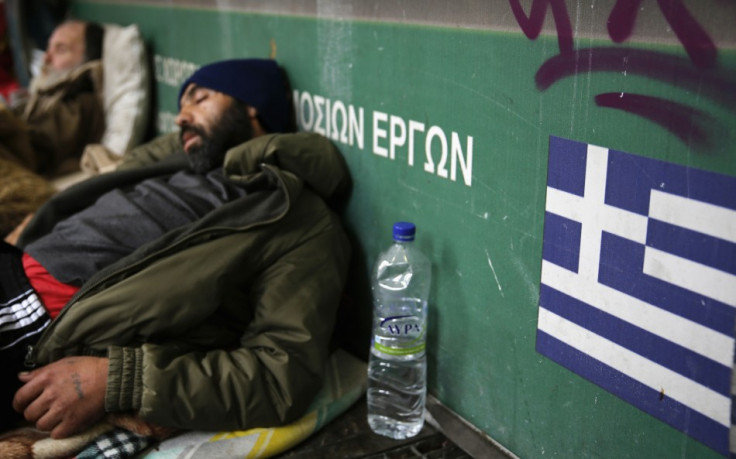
[64,111]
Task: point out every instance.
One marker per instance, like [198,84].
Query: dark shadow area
[152,128]
[353,324]
[30,23]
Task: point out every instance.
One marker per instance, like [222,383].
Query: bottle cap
[404,231]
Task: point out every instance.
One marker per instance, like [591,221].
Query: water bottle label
[400,335]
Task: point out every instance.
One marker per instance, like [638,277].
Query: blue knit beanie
[256,82]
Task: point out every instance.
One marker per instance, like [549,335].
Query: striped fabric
[22,318]
[638,283]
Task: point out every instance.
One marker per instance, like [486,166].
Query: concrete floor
[349,436]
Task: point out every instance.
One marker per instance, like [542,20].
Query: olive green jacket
[224,323]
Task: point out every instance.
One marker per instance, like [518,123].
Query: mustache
[194,129]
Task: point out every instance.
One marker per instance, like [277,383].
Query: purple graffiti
[698,45]
[532,25]
[622,19]
[717,84]
[698,73]
[688,124]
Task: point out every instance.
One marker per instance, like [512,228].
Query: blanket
[122,437]
[21,192]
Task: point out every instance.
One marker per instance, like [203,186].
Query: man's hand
[64,397]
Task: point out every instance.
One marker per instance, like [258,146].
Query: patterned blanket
[345,382]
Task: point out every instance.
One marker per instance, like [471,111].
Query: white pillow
[126,88]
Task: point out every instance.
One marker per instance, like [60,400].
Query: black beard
[233,128]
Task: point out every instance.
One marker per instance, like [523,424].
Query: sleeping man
[62,114]
[64,111]
[196,286]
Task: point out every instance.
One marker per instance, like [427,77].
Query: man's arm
[64,397]
[272,376]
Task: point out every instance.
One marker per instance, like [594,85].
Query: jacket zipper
[30,361]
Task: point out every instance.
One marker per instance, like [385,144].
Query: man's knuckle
[43,378]
[44,424]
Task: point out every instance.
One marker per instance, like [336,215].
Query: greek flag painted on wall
[638,283]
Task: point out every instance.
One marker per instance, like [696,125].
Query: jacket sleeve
[271,377]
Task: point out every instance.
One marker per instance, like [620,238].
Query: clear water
[396,395]
[397,369]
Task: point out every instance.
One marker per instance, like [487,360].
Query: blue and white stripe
[639,283]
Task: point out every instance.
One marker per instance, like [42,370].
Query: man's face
[210,123]
[65,50]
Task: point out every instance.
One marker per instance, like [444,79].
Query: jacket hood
[309,156]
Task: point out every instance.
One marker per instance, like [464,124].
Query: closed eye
[201,94]
[195,95]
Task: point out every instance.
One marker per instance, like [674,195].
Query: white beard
[48,78]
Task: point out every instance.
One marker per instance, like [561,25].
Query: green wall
[480,214]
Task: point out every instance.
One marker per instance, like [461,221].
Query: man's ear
[255,121]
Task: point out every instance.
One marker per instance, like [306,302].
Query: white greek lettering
[379,133]
[398,136]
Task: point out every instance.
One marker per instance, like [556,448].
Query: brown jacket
[62,119]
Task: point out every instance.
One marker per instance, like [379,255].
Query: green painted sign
[450,127]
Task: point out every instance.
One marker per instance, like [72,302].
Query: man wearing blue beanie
[255,90]
[259,83]
[197,286]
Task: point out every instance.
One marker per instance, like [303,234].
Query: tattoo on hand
[77,385]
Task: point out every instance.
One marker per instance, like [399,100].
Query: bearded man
[197,286]
[64,110]
[61,115]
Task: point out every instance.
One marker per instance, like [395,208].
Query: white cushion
[126,89]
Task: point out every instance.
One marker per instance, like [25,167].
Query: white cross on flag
[638,284]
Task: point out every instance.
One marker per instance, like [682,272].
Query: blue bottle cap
[404,231]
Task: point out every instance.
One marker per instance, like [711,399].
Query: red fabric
[53,294]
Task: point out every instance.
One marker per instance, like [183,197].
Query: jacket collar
[310,157]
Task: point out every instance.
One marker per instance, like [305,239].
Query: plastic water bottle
[397,367]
